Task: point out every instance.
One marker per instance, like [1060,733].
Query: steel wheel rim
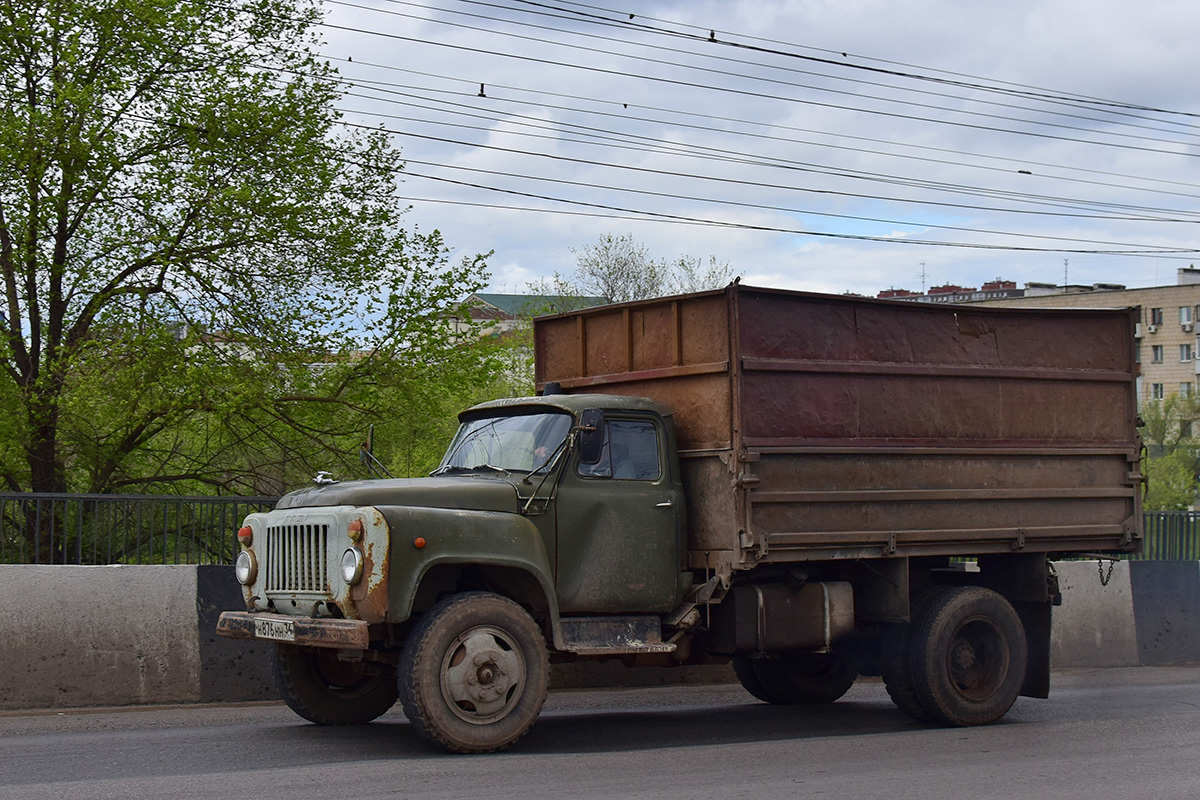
[483,675]
[977,659]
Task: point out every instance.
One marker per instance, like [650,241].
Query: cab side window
[630,452]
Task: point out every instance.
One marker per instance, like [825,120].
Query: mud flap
[1036,619]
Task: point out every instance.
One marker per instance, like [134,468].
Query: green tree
[194,253]
[1171,467]
[1172,481]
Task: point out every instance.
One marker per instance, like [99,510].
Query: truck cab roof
[571,403]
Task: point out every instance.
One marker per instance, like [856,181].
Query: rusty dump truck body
[811,487]
[819,427]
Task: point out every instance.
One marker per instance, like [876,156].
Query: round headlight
[246,567]
[352,565]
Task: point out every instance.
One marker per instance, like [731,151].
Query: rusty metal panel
[822,427]
[785,407]
[712,497]
[675,350]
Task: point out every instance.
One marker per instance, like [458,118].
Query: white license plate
[281,630]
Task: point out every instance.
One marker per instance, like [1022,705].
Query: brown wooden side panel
[783,406]
[805,327]
[712,506]
[674,351]
[861,428]
[828,505]
[695,400]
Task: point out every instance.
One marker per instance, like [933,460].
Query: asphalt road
[1128,733]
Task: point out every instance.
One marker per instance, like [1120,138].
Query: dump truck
[810,487]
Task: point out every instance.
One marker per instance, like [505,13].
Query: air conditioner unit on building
[1187,327]
[1137,330]
[1152,328]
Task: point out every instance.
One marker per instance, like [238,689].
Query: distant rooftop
[1001,288]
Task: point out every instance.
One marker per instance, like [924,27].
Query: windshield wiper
[478,467]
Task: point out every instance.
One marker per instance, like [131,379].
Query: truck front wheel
[474,672]
[797,678]
[327,691]
[969,657]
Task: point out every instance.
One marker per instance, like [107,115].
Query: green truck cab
[565,507]
[812,487]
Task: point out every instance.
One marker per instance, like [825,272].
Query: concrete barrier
[110,636]
[89,636]
[1095,625]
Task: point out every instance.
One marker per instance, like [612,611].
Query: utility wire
[627,26]
[673,112]
[718,155]
[758,95]
[965,80]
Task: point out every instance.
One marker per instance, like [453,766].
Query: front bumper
[343,634]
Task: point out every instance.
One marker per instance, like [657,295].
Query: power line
[964,80]
[727,156]
[655,216]
[1023,162]
[746,93]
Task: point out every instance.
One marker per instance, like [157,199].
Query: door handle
[663,505]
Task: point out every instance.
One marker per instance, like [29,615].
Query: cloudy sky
[823,145]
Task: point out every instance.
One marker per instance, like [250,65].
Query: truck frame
[813,487]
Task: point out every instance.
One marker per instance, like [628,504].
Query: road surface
[1118,733]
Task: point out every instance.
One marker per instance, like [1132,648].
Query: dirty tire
[326,691]
[969,655]
[743,667]
[898,655]
[474,672]
[797,678]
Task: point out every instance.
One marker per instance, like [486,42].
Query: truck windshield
[512,443]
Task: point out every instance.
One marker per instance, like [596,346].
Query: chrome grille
[296,558]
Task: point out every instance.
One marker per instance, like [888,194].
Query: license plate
[278,629]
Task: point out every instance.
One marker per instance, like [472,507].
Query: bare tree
[619,268]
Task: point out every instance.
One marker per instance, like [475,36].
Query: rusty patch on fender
[370,595]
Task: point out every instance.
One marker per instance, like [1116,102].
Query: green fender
[458,536]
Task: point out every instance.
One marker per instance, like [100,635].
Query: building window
[1137,353]
[1156,391]
[1185,429]
[1156,353]
[1185,315]
[1185,389]
[1156,316]
[1185,352]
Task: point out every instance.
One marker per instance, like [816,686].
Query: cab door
[620,523]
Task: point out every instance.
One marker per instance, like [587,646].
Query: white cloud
[925,148]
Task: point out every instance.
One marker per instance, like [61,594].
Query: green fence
[140,529]
[121,529]
[1171,536]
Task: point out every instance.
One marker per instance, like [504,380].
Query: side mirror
[591,436]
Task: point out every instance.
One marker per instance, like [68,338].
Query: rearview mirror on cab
[591,436]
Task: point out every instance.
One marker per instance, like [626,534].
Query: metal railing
[121,529]
[1171,536]
[166,529]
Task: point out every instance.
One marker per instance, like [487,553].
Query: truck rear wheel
[797,678]
[969,657]
[474,673]
[897,667]
[325,690]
